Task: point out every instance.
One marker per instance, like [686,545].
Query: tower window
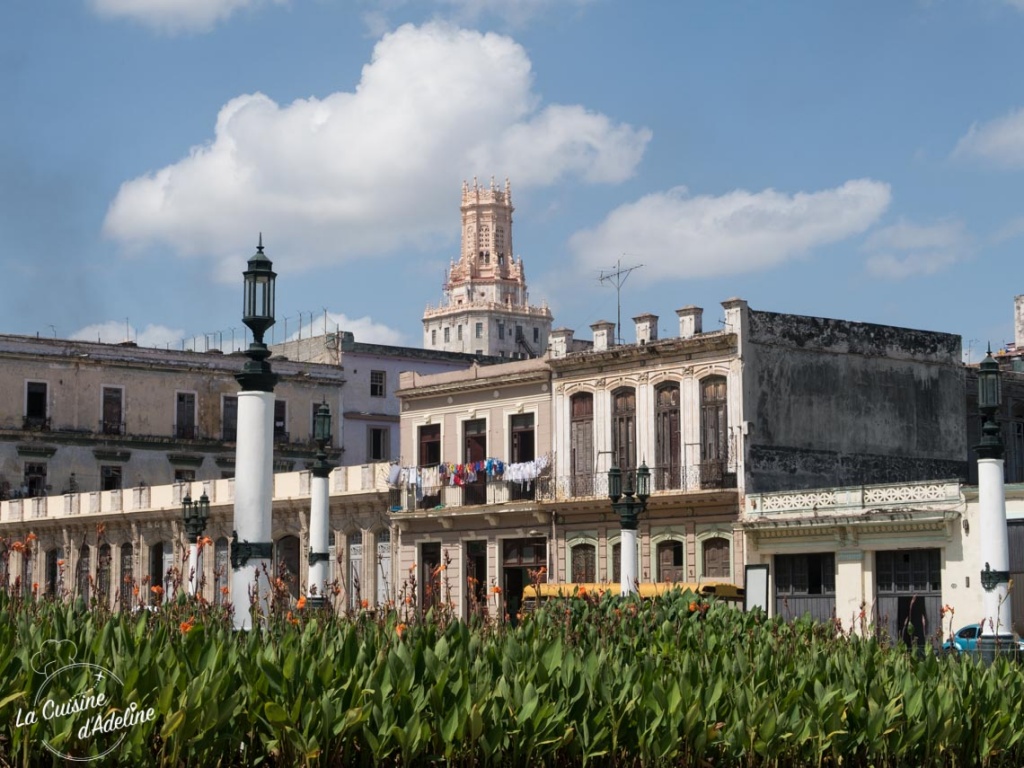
[447,335]
[479,331]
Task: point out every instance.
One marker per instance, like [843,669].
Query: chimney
[604,335]
[1018,322]
[560,342]
[646,328]
[690,321]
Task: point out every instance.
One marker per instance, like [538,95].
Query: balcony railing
[36,423]
[186,431]
[111,427]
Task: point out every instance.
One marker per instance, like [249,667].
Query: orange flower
[157,590]
[31,537]
[496,590]
[412,567]
[224,590]
[185,626]
[135,591]
[583,592]
[60,563]
[35,586]
[301,603]
[400,628]
[18,546]
[408,600]
[365,604]
[101,529]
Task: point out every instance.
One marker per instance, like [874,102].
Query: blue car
[966,639]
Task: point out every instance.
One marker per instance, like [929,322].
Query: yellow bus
[533,594]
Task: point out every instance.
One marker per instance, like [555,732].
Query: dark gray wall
[839,403]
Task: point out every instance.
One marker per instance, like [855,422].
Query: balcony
[186,432]
[36,423]
[111,427]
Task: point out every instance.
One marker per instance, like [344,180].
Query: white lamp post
[997,627]
[252,548]
[629,508]
[319,510]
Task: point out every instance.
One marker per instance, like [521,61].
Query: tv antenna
[618,278]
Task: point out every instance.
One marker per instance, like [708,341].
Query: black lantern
[627,502]
[989,399]
[195,515]
[614,484]
[258,308]
[322,425]
[643,483]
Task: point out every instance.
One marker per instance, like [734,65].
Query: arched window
[670,560]
[583,562]
[624,428]
[54,571]
[83,573]
[103,575]
[714,431]
[581,444]
[383,567]
[716,558]
[221,571]
[668,462]
[355,568]
[288,563]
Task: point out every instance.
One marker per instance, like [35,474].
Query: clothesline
[450,473]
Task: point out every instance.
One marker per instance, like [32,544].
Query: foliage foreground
[579,682]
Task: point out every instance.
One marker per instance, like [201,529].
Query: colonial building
[83,416]
[485,307]
[771,401]
[115,545]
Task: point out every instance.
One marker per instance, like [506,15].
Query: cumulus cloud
[906,249]
[999,141]
[115,331]
[173,16]
[678,236]
[514,11]
[376,169]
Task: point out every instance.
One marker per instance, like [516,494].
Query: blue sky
[855,160]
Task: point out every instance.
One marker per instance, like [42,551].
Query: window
[83,573]
[810,574]
[112,417]
[667,437]
[35,480]
[184,475]
[433,337]
[670,561]
[378,383]
[475,449]
[35,405]
[536,335]
[221,571]
[581,443]
[280,421]
[103,575]
[229,418]
[185,416]
[624,428]
[355,568]
[584,563]
[521,430]
[430,574]
[501,330]
[479,330]
[287,565]
[714,430]
[54,572]
[430,445]
[383,567]
[110,478]
[378,441]
[447,334]
[716,558]
[458,332]
[519,333]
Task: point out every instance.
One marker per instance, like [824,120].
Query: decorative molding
[40,451]
[186,459]
[111,454]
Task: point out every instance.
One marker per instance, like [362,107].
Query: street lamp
[195,515]
[251,546]
[319,509]
[997,626]
[628,503]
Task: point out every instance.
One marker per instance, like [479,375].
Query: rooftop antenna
[618,277]
[54,329]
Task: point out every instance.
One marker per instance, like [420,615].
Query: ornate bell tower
[485,306]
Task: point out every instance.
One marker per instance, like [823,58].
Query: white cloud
[677,236]
[1011,230]
[362,328]
[514,11]
[173,16]
[376,169]
[999,141]
[906,249]
[115,331]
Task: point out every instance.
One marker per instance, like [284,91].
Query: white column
[319,532]
[995,549]
[628,558]
[193,568]
[254,483]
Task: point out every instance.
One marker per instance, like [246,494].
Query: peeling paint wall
[839,403]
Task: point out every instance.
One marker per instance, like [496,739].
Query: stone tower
[485,307]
